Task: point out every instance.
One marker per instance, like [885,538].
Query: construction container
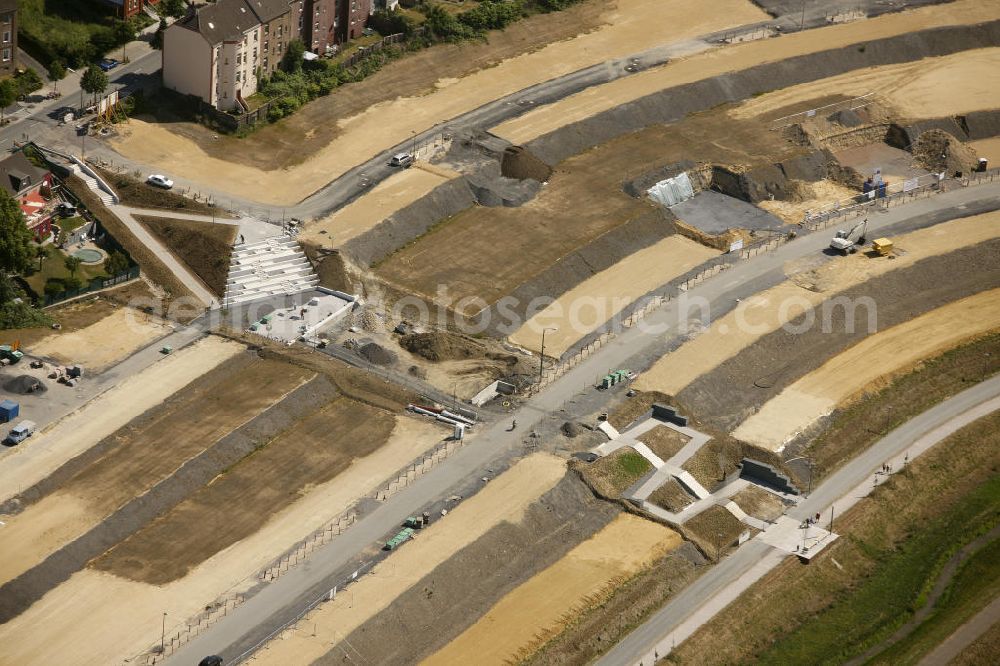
[9,411]
[395,542]
[882,247]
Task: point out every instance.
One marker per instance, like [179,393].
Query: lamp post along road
[541,354]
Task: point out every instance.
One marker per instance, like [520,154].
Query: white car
[160,181]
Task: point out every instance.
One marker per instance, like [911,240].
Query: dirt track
[142,454]
[873,361]
[729,393]
[588,305]
[930,88]
[506,498]
[505,250]
[121,618]
[635,26]
[542,606]
[105,342]
[808,285]
[107,413]
[255,489]
[593,101]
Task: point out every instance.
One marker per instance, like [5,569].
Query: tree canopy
[94,81]
[16,253]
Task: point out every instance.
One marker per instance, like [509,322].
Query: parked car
[108,64]
[66,209]
[160,180]
[401,160]
[20,432]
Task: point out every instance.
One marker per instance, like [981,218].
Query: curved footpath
[250,624]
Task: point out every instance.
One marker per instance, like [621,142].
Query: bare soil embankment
[733,390]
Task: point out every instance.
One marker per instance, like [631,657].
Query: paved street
[254,620]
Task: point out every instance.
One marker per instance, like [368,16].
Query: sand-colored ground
[813,196]
[875,359]
[988,148]
[106,342]
[632,26]
[386,198]
[505,498]
[706,65]
[102,619]
[541,606]
[597,299]
[928,88]
[110,411]
[767,311]
[145,454]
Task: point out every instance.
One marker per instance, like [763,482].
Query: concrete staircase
[106,198]
[272,267]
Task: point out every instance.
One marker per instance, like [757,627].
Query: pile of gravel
[377,354]
[24,385]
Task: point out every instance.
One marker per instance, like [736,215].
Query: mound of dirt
[570,429]
[519,163]
[936,151]
[847,118]
[24,385]
[377,354]
[443,346]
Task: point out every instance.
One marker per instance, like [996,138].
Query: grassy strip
[869,582]
[204,247]
[862,423]
[151,265]
[895,589]
[975,585]
[614,473]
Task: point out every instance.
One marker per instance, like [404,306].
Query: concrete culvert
[518,162]
[377,354]
[25,384]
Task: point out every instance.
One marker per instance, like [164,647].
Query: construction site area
[675,313]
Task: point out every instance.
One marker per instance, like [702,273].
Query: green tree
[72,264]
[291,62]
[94,81]
[15,239]
[116,263]
[41,254]
[8,95]
[157,41]
[175,8]
[57,72]
[27,82]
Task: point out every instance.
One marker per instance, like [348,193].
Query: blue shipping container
[9,411]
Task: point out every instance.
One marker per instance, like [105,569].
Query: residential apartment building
[8,33]
[328,23]
[31,186]
[218,51]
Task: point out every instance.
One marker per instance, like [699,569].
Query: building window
[6,54]
[6,36]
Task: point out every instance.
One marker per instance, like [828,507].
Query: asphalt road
[707,596]
[278,601]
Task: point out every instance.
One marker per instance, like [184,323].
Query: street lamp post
[541,354]
[163,632]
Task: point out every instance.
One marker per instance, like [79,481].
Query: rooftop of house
[225,20]
[17,173]
[8,6]
[268,10]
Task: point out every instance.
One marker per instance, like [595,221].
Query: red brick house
[31,186]
[129,8]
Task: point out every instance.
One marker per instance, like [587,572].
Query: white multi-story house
[219,51]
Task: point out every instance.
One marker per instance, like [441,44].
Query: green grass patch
[896,588]
[53,268]
[71,224]
[615,472]
[77,32]
[975,585]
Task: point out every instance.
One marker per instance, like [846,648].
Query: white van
[21,432]
[401,160]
